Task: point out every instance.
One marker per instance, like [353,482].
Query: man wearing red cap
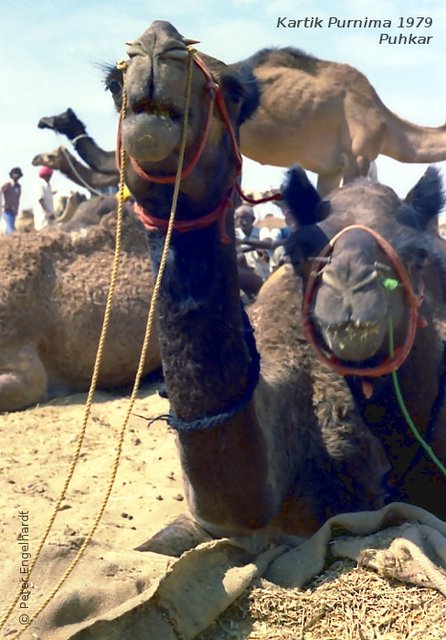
[44,209]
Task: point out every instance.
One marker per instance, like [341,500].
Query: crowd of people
[260,244]
[10,192]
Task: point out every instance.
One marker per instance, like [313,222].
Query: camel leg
[23,379]
[326,183]
[356,168]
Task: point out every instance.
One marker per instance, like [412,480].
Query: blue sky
[51,50]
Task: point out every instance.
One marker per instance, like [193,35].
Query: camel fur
[52,301]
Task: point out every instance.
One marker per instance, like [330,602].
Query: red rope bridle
[414,302]
[152,222]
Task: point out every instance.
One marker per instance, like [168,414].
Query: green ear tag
[390,283]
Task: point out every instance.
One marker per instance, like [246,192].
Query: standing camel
[253,452]
[321,114]
[387,267]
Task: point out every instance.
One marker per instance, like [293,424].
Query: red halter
[152,222]
[413,301]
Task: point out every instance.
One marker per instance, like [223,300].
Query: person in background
[269,242]
[250,246]
[10,197]
[44,209]
[279,256]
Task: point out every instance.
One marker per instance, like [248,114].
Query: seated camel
[69,206]
[261,446]
[91,212]
[321,114]
[374,272]
[52,301]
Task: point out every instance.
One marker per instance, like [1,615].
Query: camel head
[66,123]
[154,81]
[53,159]
[361,276]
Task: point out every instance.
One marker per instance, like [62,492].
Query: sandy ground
[37,446]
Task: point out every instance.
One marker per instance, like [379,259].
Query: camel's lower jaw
[150,137]
[352,343]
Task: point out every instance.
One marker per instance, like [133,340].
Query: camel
[357,285]
[324,115]
[329,118]
[70,206]
[261,449]
[52,301]
[91,212]
[68,124]
[62,160]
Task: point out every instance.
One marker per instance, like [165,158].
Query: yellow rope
[88,405]
[149,324]
[87,411]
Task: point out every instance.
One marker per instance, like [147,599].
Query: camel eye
[233,89]
[235,97]
[114,87]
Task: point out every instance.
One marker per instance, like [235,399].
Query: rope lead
[410,423]
[96,369]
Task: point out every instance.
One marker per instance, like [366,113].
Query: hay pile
[343,603]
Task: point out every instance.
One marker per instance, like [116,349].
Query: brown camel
[52,301]
[329,118]
[359,285]
[70,206]
[324,115]
[62,160]
[254,453]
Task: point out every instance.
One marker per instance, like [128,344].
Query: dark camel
[258,453]
[356,292]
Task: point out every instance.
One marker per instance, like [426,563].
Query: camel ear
[425,200]
[241,88]
[304,202]
[304,244]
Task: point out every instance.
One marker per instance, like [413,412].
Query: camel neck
[203,347]
[207,368]
[420,378]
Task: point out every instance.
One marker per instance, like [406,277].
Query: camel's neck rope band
[253,372]
[152,223]
[81,136]
[414,302]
